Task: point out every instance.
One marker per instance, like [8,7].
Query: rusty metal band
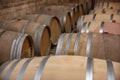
[101,27]
[10,70]
[110,70]
[89,41]
[60,43]
[78,23]
[38,74]
[68,44]
[25,26]
[88,27]
[3,66]
[94,16]
[13,48]
[89,69]
[77,44]
[111,17]
[23,69]
[83,27]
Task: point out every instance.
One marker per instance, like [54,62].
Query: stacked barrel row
[97,43]
[43,27]
[98,34]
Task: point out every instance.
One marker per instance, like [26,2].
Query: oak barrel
[98,17]
[102,46]
[51,21]
[40,34]
[74,12]
[105,11]
[15,45]
[60,68]
[66,15]
[109,5]
[100,27]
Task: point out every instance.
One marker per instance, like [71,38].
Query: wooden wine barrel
[60,68]
[81,10]
[15,46]
[89,4]
[100,27]
[40,34]
[93,45]
[110,5]
[66,15]
[99,18]
[75,12]
[51,21]
[105,11]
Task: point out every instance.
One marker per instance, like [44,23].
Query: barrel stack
[60,40]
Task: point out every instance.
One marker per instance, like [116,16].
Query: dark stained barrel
[102,46]
[100,27]
[105,11]
[99,18]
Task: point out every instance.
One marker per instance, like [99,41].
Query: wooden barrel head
[18,46]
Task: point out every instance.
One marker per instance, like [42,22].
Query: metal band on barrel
[37,17]
[38,41]
[24,26]
[110,70]
[83,18]
[13,48]
[22,70]
[88,27]
[111,17]
[20,44]
[101,27]
[89,41]
[68,43]
[38,74]
[11,70]
[78,23]
[4,66]
[83,27]
[93,18]
[89,70]
[60,42]
[76,44]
